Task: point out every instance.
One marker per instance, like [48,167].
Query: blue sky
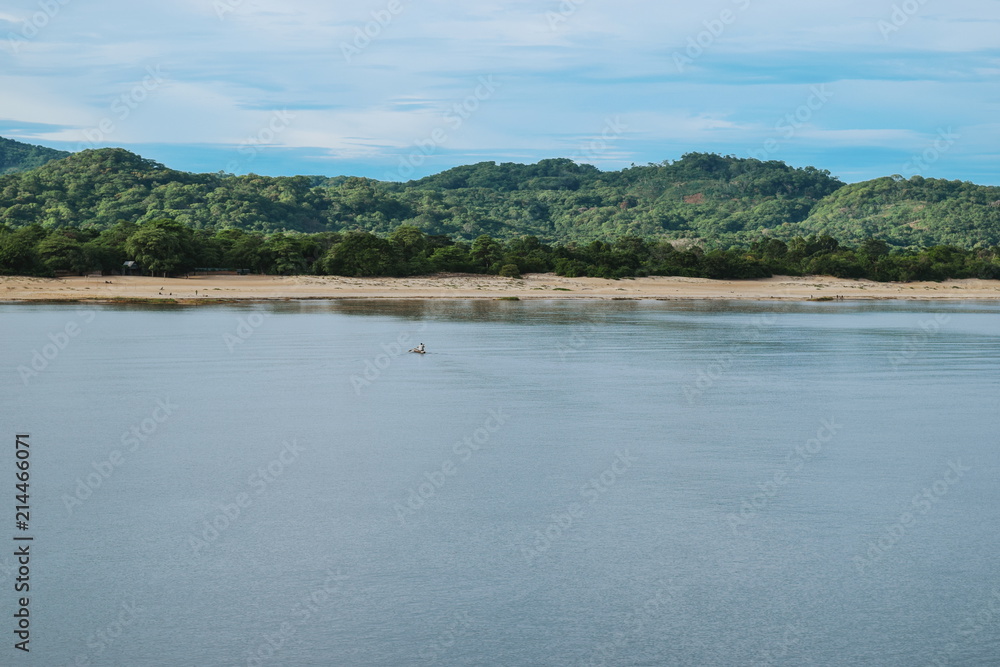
[397,89]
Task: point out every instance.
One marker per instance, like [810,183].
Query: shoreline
[230,289]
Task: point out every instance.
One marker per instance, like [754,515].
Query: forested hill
[16,156]
[714,199]
[915,212]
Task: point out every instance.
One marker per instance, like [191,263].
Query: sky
[399,89]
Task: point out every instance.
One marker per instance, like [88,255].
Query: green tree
[58,252]
[360,254]
[288,254]
[17,250]
[452,259]
[412,248]
[487,253]
[162,247]
[243,250]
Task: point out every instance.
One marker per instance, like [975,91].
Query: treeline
[706,198]
[166,247]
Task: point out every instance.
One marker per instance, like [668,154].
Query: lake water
[554,483]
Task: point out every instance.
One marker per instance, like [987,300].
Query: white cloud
[886,137]
[565,67]
[34,101]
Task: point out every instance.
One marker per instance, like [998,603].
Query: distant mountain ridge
[717,200]
[16,156]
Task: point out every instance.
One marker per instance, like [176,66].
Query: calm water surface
[615,483]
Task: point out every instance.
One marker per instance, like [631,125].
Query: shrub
[510,271]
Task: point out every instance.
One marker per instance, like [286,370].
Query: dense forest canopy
[703,215]
[711,199]
[16,156]
[168,247]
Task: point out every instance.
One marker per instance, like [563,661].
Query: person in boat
[420,348]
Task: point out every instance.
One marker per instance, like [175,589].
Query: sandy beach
[211,289]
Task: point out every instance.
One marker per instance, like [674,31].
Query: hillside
[699,196]
[714,199]
[16,156]
[915,212]
[97,188]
